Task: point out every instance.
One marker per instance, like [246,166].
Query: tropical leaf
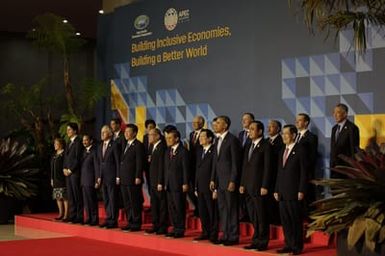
[17,177]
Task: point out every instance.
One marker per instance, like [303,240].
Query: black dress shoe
[296,252]
[230,243]
[170,234]
[126,228]
[250,247]
[178,235]
[151,231]
[261,248]
[161,232]
[103,225]
[59,217]
[135,229]
[201,237]
[77,221]
[94,223]
[66,220]
[111,226]
[284,250]
[219,241]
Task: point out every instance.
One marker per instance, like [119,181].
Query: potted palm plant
[356,209]
[17,177]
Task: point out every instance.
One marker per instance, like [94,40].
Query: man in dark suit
[176,182]
[130,177]
[345,139]
[243,135]
[159,211]
[149,124]
[71,168]
[197,124]
[255,184]
[118,136]
[108,164]
[275,139]
[309,141]
[208,208]
[225,178]
[88,180]
[290,190]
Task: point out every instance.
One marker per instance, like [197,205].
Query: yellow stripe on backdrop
[118,103]
[371,128]
[140,114]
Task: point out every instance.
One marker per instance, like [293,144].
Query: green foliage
[64,120]
[51,33]
[91,92]
[357,203]
[337,15]
[17,178]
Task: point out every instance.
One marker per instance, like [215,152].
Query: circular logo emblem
[171,19]
[141,22]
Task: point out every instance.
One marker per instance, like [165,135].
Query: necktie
[195,136]
[245,135]
[338,131]
[251,151]
[299,137]
[171,153]
[285,155]
[126,148]
[219,144]
[104,148]
[203,153]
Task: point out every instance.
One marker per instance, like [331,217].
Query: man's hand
[138,181]
[117,181]
[212,185]
[264,191]
[276,196]
[215,195]
[231,186]
[185,188]
[242,189]
[51,183]
[65,171]
[196,193]
[300,196]
[160,187]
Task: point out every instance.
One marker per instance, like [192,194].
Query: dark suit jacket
[292,178]
[347,143]
[176,169]
[256,173]
[203,169]
[309,141]
[226,167]
[109,164]
[156,168]
[276,147]
[131,163]
[193,154]
[240,137]
[89,168]
[73,156]
[120,141]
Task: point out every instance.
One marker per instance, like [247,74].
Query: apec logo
[141,22]
[172,17]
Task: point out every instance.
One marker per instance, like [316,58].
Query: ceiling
[17,15]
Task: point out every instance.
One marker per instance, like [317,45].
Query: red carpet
[72,246]
[316,246]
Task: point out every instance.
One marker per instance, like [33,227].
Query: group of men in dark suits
[217,170]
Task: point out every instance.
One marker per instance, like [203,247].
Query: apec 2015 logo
[172,17]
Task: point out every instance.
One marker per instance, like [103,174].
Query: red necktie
[285,156]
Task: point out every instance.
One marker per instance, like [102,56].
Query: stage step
[185,246]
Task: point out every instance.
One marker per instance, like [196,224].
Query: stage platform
[316,245]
